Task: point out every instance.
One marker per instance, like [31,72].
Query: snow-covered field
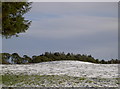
[69,68]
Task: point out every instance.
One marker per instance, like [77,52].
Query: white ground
[70,68]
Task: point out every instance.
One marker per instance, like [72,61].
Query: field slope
[60,74]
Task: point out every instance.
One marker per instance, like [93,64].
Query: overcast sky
[82,27]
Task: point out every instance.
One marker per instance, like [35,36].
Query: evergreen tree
[16,59]
[13,21]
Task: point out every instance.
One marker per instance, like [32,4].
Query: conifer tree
[13,21]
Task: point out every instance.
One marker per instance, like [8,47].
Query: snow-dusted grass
[56,81]
[70,68]
[62,73]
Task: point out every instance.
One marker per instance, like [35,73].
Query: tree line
[15,58]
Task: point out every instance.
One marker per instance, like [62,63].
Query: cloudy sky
[81,27]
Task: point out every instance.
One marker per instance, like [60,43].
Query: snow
[70,68]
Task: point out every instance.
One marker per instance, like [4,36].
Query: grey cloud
[71,26]
[83,8]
